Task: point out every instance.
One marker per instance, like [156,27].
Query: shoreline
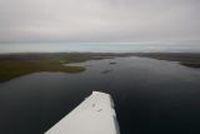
[16,65]
[191,60]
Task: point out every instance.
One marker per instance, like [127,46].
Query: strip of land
[15,65]
[187,59]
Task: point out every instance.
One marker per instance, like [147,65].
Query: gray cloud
[99,20]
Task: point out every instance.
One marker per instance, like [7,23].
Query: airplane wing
[95,115]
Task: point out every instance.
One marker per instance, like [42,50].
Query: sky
[99,20]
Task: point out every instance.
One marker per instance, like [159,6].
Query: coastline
[16,65]
[191,60]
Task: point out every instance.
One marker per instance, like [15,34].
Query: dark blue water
[151,96]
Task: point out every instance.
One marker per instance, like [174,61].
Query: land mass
[187,59]
[15,65]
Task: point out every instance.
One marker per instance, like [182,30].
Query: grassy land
[15,65]
[11,69]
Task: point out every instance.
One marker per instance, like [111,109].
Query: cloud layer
[99,20]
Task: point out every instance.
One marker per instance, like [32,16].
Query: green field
[11,69]
[15,65]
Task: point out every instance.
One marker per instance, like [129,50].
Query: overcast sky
[99,20]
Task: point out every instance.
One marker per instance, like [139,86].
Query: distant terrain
[186,59]
[15,65]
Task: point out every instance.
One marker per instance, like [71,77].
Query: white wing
[95,115]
